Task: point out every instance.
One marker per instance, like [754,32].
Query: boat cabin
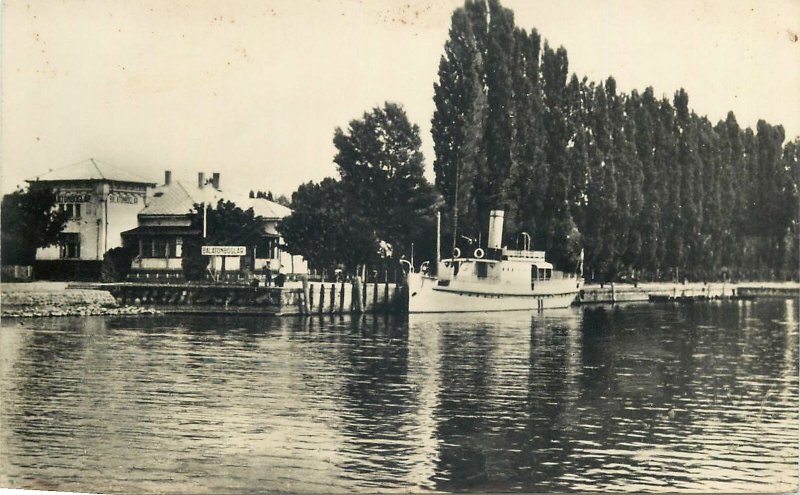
[515,269]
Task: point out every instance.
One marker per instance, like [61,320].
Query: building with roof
[101,201]
[165,223]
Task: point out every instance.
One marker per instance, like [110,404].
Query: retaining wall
[53,299]
[322,298]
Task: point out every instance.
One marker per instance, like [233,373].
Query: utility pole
[205,228]
[438,240]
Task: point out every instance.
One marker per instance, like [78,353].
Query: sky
[255,89]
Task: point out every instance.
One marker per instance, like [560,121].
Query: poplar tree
[602,192]
[628,170]
[490,179]
[791,207]
[644,112]
[578,148]
[561,235]
[527,180]
[768,199]
[458,122]
[732,206]
[647,186]
[709,252]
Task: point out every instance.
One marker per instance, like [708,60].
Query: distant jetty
[689,292]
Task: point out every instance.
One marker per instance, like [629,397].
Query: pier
[310,298]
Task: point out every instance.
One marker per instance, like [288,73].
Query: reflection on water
[632,398]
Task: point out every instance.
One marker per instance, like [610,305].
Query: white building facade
[101,201]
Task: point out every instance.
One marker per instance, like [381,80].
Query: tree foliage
[459,120]
[382,195]
[117,263]
[645,185]
[226,225]
[281,200]
[381,168]
[29,221]
[322,228]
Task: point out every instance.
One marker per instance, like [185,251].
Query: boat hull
[425,295]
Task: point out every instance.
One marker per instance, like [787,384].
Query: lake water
[629,398]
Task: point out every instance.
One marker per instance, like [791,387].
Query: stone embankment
[40,299]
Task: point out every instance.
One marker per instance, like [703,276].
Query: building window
[159,247]
[73,210]
[69,246]
[267,248]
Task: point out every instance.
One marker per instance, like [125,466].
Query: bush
[193,263]
[117,264]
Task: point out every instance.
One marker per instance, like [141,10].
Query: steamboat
[497,279]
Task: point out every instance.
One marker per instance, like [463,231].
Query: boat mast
[455,206]
[438,239]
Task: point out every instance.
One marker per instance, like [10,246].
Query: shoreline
[52,299]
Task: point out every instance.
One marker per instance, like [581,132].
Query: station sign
[223,250]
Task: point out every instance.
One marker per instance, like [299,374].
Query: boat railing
[523,253]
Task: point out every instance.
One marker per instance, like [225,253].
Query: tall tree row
[647,187]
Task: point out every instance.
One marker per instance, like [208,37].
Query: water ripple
[640,398]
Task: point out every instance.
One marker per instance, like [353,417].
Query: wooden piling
[341,299]
[364,295]
[321,298]
[333,298]
[357,302]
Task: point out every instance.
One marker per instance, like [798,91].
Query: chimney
[495,229]
[215,180]
[201,179]
[167,177]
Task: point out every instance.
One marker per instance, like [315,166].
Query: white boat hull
[425,295]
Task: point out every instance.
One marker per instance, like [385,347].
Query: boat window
[482,270]
[534,273]
[548,273]
[541,273]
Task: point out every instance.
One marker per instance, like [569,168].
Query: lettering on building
[223,250]
[125,198]
[73,198]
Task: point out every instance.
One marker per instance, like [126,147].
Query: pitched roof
[179,198]
[91,169]
[269,209]
[170,200]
